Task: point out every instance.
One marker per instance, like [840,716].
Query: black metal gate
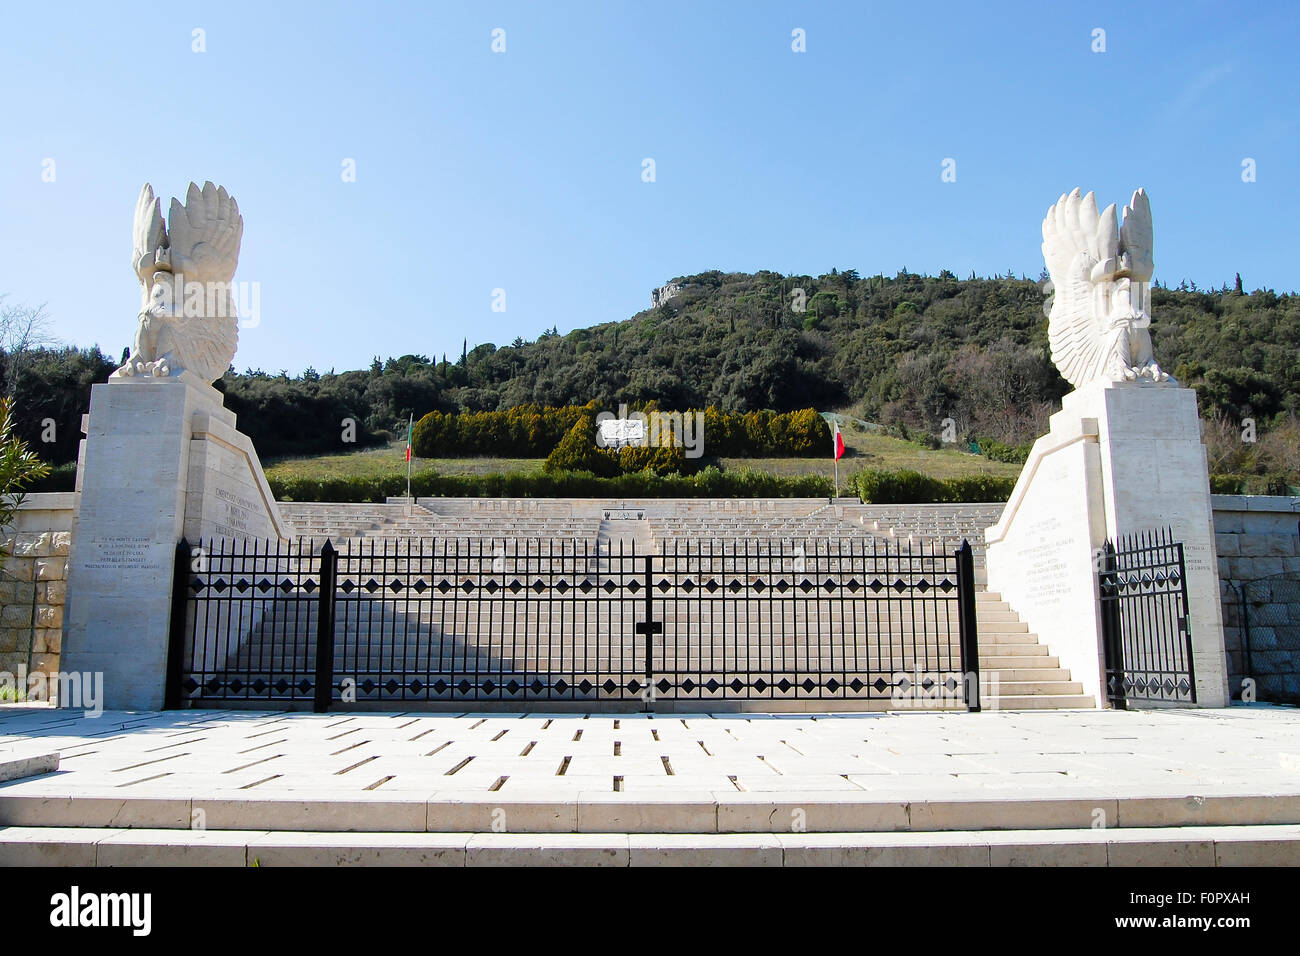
[1146,636]
[541,621]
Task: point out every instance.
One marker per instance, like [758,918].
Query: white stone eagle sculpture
[188,319]
[1101,281]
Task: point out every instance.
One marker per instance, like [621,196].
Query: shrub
[61,478]
[912,487]
[967,488]
[1227,484]
[711,482]
[19,467]
[535,431]
[995,450]
[896,487]
[877,487]
[663,460]
[525,431]
[1238,484]
[577,451]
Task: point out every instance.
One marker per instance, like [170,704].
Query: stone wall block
[56,592]
[1226,544]
[48,640]
[16,615]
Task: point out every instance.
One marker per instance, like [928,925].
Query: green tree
[19,466]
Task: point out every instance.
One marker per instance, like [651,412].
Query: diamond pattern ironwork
[426,608]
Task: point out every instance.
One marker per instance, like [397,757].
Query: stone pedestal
[161,459]
[1119,459]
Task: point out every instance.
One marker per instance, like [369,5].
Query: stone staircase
[1017,671]
[624,529]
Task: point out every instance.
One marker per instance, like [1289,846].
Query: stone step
[1027,673]
[1007,634]
[1008,689]
[1018,649]
[1237,845]
[533,809]
[1011,662]
[995,615]
[1039,702]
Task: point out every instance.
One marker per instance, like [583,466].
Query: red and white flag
[839,443]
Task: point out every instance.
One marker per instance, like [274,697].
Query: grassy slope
[882,452]
[864,451]
[391,460]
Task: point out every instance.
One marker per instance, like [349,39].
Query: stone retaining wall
[1258,539]
[33,584]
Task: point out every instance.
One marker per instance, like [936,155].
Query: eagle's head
[163,300]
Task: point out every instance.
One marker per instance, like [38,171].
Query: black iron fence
[564,620]
[1146,635]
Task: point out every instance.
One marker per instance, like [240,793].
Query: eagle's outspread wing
[204,236]
[1073,244]
[1136,240]
[148,237]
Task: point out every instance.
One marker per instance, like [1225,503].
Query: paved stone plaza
[718,759]
[1191,787]
[251,754]
[911,756]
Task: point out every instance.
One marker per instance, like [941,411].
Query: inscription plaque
[126,552]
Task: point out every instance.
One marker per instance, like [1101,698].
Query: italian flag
[408,436]
[839,443]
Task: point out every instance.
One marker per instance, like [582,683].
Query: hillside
[908,351]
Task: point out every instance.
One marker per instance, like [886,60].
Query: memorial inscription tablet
[126,552]
[236,514]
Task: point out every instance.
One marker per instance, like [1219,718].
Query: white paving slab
[1169,758]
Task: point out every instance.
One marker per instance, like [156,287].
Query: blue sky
[522,170]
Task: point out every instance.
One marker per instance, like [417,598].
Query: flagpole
[835,452]
[409,422]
